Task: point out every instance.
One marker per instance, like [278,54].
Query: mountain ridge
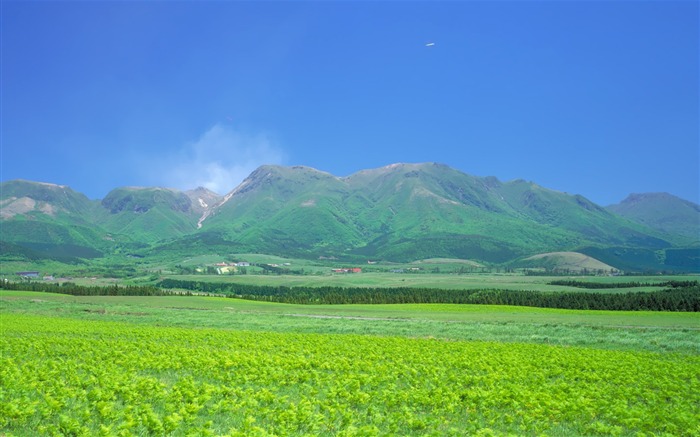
[401,212]
[661,211]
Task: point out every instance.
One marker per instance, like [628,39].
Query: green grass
[448,261]
[564,261]
[652,331]
[68,376]
[195,365]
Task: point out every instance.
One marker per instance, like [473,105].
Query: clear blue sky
[598,98]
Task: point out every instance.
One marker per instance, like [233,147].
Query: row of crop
[671,299]
[64,377]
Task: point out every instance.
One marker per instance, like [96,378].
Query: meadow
[451,281]
[194,365]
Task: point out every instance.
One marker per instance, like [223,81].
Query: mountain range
[401,212]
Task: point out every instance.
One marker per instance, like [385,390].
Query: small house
[346,270]
[28,274]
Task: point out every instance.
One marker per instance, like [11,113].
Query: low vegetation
[111,365]
[86,360]
[140,380]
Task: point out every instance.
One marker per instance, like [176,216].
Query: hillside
[58,223]
[400,212]
[149,214]
[564,262]
[662,211]
[405,212]
[51,220]
[26,198]
[202,199]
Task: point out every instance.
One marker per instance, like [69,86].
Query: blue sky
[598,98]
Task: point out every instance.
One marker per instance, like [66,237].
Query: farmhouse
[225,270]
[28,274]
[348,270]
[238,264]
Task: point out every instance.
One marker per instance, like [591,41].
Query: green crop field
[191,365]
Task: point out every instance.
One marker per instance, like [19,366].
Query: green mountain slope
[564,262]
[401,212]
[19,197]
[578,215]
[294,210]
[414,211]
[55,222]
[404,212]
[52,220]
[662,211]
[149,214]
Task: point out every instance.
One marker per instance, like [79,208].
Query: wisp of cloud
[220,159]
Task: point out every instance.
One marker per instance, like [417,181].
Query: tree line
[600,285]
[89,290]
[680,298]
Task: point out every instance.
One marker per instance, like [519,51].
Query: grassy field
[643,330]
[434,280]
[194,365]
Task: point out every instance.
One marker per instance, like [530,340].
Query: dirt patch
[100,311]
[326,316]
[190,309]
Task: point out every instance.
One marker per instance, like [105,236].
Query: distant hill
[149,214]
[59,223]
[662,211]
[27,198]
[400,212]
[565,262]
[405,212]
[50,220]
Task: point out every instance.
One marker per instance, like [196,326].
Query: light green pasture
[625,330]
[67,377]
